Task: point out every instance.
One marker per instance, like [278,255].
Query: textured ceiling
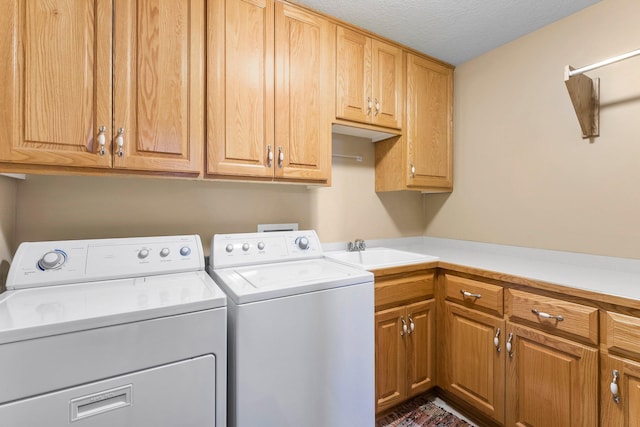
[450,30]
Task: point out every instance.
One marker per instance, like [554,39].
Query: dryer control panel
[74,261]
[234,250]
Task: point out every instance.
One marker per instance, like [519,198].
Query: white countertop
[606,275]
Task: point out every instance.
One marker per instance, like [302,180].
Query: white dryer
[112,333]
[301,332]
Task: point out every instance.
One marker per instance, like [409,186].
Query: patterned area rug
[420,412]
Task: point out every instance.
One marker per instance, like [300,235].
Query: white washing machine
[112,333]
[301,332]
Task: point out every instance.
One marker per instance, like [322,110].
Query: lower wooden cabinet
[404,352]
[619,391]
[550,381]
[473,365]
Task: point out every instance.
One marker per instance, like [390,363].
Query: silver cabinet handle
[369,106]
[377,107]
[544,315]
[269,156]
[404,326]
[470,295]
[496,340]
[120,142]
[614,387]
[280,156]
[510,346]
[412,326]
[413,170]
[102,139]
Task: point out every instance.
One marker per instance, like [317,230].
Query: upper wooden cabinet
[269,91]
[422,159]
[77,72]
[369,80]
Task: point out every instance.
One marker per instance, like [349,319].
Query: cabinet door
[429,123]
[473,366]
[626,410]
[390,358]
[353,76]
[387,73]
[56,74]
[420,346]
[240,82]
[159,85]
[304,60]
[551,381]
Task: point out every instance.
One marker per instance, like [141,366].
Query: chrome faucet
[356,246]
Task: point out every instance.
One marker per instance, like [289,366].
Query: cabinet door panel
[390,358]
[429,122]
[158,84]
[387,85]
[626,412]
[303,93]
[240,88]
[57,81]
[420,346]
[551,381]
[474,368]
[353,75]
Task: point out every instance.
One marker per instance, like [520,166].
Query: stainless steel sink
[376,258]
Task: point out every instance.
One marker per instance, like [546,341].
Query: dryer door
[177,394]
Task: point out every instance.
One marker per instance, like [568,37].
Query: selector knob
[143,253]
[245,247]
[303,242]
[260,245]
[185,250]
[165,252]
[51,260]
[229,248]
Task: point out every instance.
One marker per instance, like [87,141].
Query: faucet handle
[350,247]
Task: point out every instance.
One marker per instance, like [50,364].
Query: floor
[441,403]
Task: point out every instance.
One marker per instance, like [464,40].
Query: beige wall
[523,174]
[7,224]
[72,207]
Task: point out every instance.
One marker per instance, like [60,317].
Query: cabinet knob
[377,107]
[412,326]
[413,170]
[369,106]
[404,327]
[102,139]
[496,340]
[470,295]
[280,157]
[543,315]
[509,346]
[120,142]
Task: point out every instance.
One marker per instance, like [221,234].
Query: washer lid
[260,282]
[52,310]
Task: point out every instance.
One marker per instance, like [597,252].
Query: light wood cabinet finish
[60,79]
[422,159]
[551,381]
[473,367]
[369,80]
[578,321]
[621,334]
[626,410]
[390,358]
[269,91]
[159,84]
[57,81]
[474,294]
[240,88]
[304,88]
[405,335]
[401,288]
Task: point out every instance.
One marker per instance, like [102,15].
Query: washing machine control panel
[74,261]
[232,250]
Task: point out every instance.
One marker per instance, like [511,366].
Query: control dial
[52,259]
[143,253]
[302,242]
[165,252]
[185,250]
